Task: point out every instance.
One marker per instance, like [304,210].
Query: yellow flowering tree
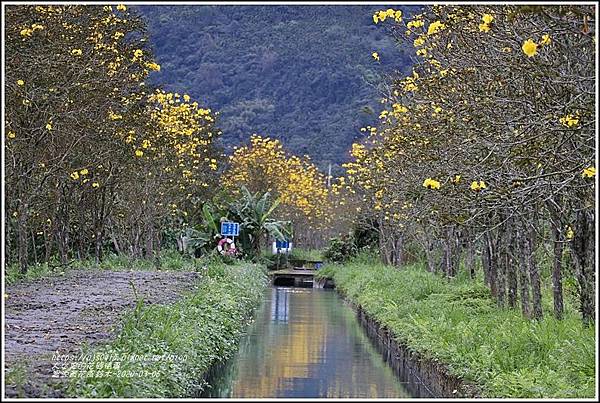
[264,166]
[489,137]
[95,159]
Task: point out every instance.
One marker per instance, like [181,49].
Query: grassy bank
[169,260]
[177,343]
[457,323]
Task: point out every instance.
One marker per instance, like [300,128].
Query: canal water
[305,342]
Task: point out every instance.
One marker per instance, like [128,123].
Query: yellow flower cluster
[529,48]
[27,32]
[389,13]
[181,134]
[570,234]
[153,66]
[485,25]
[545,39]
[415,23]
[265,166]
[569,120]
[430,183]
[477,186]
[589,172]
[435,27]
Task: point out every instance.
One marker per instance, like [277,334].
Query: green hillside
[303,74]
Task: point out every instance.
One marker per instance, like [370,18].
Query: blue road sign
[230,228]
[282,244]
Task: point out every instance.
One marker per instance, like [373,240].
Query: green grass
[300,254]
[17,376]
[169,260]
[200,329]
[458,323]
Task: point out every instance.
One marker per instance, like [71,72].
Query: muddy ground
[60,314]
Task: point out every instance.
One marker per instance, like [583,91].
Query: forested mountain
[302,74]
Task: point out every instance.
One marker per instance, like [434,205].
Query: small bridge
[293,277]
[298,277]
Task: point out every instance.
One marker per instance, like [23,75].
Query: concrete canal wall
[424,377]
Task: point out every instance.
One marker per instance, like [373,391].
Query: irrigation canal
[306,342]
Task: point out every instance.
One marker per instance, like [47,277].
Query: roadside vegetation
[191,335]
[171,260]
[458,323]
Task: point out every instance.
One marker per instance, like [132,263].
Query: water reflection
[280,305]
[310,345]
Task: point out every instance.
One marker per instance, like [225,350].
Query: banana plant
[256,214]
[201,239]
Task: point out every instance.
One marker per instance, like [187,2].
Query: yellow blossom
[49,126]
[20,82]
[529,48]
[477,186]
[483,27]
[415,24]
[137,53]
[121,7]
[76,52]
[589,172]
[569,120]
[570,233]
[95,185]
[153,66]
[11,135]
[139,153]
[75,175]
[398,108]
[545,39]
[435,27]
[375,55]
[430,183]
[115,116]
[487,18]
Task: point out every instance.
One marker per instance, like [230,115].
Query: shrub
[340,249]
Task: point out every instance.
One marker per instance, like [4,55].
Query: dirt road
[59,314]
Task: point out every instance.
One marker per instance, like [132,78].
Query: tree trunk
[501,253]
[470,259]
[492,263]
[557,273]
[524,275]
[34,247]
[583,253]
[429,254]
[22,239]
[511,267]
[534,276]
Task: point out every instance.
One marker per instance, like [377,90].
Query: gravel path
[59,314]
